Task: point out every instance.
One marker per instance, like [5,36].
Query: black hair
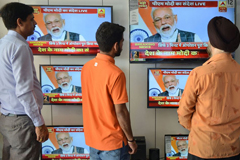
[108,34]
[14,10]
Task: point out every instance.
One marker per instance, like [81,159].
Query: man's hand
[68,37]
[133,147]
[179,38]
[75,150]
[42,133]
[74,89]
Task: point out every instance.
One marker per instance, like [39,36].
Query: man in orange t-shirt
[106,120]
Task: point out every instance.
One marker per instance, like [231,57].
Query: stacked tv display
[65,30]
[148,45]
[154,39]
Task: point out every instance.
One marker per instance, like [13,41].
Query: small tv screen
[165,86]
[65,142]
[173,30]
[67,30]
[61,84]
[176,147]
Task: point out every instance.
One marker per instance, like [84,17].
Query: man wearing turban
[210,104]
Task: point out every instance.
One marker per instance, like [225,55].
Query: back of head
[223,34]
[108,34]
[12,11]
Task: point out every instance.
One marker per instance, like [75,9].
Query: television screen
[165,86]
[67,30]
[61,84]
[172,30]
[176,147]
[65,142]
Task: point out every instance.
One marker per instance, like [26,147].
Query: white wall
[151,123]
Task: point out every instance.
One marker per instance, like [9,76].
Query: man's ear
[115,46]
[175,18]
[63,20]
[19,22]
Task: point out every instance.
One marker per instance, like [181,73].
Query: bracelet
[131,141]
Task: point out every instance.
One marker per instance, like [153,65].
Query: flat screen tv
[164,31]
[67,30]
[61,84]
[176,147]
[165,86]
[65,142]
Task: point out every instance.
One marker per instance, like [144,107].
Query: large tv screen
[67,30]
[165,86]
[65,142]
[172,30]
[61,84]
[176,147]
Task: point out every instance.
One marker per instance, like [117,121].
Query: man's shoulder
[57,90]
[177,154]
[13,41]
[79,149]
[77,86]
[109,66]
[184,32]
[153,38]
[73,33]
[165,93]
[45,37]
[57,151]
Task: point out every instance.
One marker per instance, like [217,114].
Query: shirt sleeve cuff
[38,121]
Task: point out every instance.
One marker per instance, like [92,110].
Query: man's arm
[188,101]
[124,121]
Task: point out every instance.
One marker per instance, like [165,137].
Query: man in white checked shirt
[21,98]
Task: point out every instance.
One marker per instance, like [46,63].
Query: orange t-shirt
[210,108]
[103,85]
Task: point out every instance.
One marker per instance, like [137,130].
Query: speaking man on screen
[64,81]
[65,143]
[165,22]
[56,32]
[182,147]
[171,85]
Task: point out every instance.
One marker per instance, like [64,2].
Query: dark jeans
[192,157]
[19,138]
[118,154]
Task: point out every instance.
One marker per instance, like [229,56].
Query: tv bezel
[40,81]
[148,70]
[69,54]
[60,126]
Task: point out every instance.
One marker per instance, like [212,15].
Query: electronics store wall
[151,123]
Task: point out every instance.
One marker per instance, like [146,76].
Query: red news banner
[176,158]
[64,47]
[183,3]
[150,50]
[66,156]
[167,101]
[61,98]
